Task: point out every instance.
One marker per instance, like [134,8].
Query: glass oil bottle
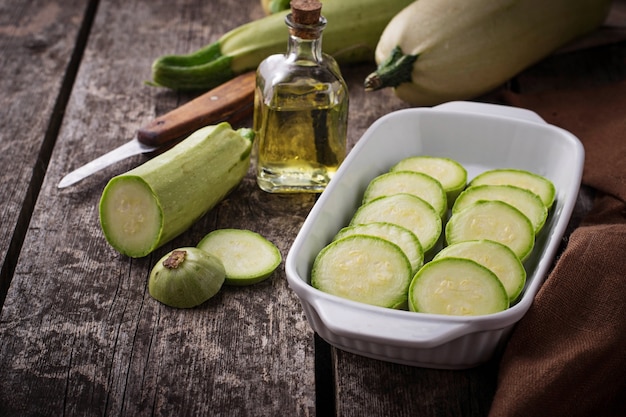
[301,109]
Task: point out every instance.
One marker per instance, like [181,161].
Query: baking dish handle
[409,328]
[491,109]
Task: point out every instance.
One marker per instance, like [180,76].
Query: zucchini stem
[174,259]
[392,72]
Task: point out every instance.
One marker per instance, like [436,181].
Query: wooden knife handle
[232,100]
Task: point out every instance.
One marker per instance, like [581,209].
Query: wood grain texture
[79,333]
[37,40]
[368,387]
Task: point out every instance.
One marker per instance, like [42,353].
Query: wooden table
[79,333]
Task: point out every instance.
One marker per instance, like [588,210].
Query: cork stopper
[305,14]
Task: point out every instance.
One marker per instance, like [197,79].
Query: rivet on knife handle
[233,98]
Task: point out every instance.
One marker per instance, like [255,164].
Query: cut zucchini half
[364,268]
[401,236]
[186,277]
[451,174]
[407,211]
[496,257]
[248,257]
[419,184]
[522,199]
[151,204]
[458,287]
[536,183]
[493,220]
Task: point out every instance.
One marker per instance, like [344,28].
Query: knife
[231,101]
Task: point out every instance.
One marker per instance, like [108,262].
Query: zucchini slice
[522,199]
[401,236]
[496,257]
[248,257]
[538,184]
[419,184]
[456,286]
[451,174]
[364,268]
[493,220]
[407,211]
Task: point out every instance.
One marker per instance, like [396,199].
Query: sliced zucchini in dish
[493,220]
[457,286]
[536,183]
[401,236]
[419,184]
[407,211]
[522,199]
[496,257]
[451,174]
[364,268]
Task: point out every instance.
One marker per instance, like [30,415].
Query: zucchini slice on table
[247,256]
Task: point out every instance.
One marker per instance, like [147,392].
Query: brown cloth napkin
[567,356]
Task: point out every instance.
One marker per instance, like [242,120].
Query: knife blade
[231,101]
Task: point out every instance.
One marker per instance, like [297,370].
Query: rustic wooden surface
[37,40]
[79,333]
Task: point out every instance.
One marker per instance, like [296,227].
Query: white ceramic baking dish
[481,137]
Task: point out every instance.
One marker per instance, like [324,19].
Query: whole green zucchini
[351,35]
[441,50]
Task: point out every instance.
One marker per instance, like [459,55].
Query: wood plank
[369,387]
[37,39]
[79,333]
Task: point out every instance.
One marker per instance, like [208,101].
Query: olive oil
[302,139]
[301,111]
